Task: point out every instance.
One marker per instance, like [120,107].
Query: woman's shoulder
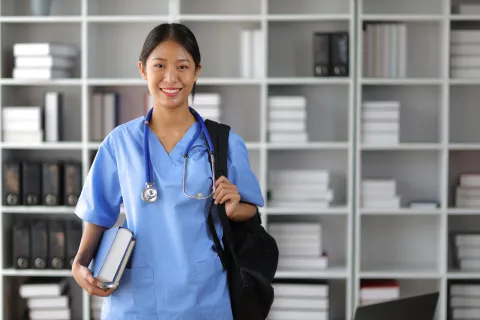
[127,133]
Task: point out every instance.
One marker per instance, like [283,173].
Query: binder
[51,182]
[72,182]
[56,244]
[21,244]
[31,183]
[321,54]
[39,232]
[12,183]
[339,54]
[73,234]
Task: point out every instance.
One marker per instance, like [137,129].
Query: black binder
[339,54]
[321,54]
[73,235]
[21,244]
[51,181]
[56,244]
[39,254]
[72,182]
[31,183]
[12,183]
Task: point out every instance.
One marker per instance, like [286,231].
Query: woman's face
[170,72]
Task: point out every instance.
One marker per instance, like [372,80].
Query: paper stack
[96,303]
[46,298]
[207,105]
[252,53]
[465,54]
[43,60]
[300,246]
[380,122]
[22,124]
[464,300]
[379,194]
[287,119]
[466,250]
[299,188]
[467,193]
[372,291]
[300,301]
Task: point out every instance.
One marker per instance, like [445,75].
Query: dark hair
[176,32]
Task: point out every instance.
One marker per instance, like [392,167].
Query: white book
[307,195]
[275,114]
[96,117]
[53,116]
[465,252]
[17,125]
[402,50]
[381,105]
[381,127]
[299,176]
[287,126]
[203,98]
[110,112]
[384,203]
[465,36]
[456,302]
[50,314]
[281,228]
[318,291]
[465,73]
[292,136]
[302,263]
[464,49]
[380,293]
[47,61]
[48,303]
[10,113]
[392,43]
[258,53]
[300,303]
[297,315]
[246,58]
[470,180]
[36,288]
[39,73]
[380,138]
[287,102]
[41,49]
[306,249]
[384,115]
[466,313]
[465,61]
[472,290]
[467,240]
[23,137]
[298,205]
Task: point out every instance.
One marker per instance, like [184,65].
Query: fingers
[226,192]
[220,180]
[94,286]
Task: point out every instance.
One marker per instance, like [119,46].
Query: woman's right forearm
[90,239]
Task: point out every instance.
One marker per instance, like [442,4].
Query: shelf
[329,273]
[38,209]
[36,273]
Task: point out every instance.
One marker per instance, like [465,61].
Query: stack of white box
[299,188]
[375,290]
[463,300]
[379,194]
[467,193]
[207,105]
[465,54]
[300,246]
[43,60]
[300,301]
[380,122]
[287,119]
[466,250]
[22,124]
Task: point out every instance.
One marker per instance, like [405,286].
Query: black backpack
[249,254]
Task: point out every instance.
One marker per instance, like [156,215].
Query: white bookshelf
[438,131]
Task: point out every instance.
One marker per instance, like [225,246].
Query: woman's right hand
[83,276]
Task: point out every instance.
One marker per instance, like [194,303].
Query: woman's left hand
[226,193]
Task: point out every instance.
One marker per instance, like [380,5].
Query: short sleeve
[100,199]
[240,172]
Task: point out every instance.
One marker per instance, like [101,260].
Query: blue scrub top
[175,272]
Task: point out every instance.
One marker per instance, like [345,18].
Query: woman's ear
[197,72]
[143,72]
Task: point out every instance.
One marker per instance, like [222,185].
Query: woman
[175,272]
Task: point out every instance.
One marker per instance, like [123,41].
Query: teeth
[170,91]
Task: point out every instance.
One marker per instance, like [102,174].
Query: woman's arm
[243,211]
[90,240]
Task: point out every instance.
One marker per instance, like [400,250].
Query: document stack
[96,303]
[287,119]
[300,246]
[300,188]
[43,60]
[380,194]
[252,53]
[467,193]
[46,298]
[300,300]
[104,114]
[465,54]
[466,250]
[380,122]
[207,105]
[374,291]
[464,300]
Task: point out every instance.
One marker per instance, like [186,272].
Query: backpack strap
[219,134]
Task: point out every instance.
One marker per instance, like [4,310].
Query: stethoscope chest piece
[149,194]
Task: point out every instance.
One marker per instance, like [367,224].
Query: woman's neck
[166,120]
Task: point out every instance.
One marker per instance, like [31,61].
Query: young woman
[175,272]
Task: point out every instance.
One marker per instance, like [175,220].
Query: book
[112,255]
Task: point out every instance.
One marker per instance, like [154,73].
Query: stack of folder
[207,105]
[287,119]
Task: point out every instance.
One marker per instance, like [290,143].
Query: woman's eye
[159,66]
[183,67]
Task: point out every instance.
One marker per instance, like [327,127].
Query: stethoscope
[150,193]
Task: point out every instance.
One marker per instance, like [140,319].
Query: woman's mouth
[170,92]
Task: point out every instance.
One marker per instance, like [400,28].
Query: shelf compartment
[461,162]
[126,7]
[416,175]
[420,112]
[327,110]
[463,112]
[65,33]
[220,7]
[220,45]
[70,126]
[409,7]
[458,224]
[309,7]
[58,8]
[290,47]
[386,244]
[333,162]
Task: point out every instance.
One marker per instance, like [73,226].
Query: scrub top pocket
[213,296]
[143,286]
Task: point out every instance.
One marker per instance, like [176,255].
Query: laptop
[417,307]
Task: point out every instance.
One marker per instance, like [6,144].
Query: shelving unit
[438,129]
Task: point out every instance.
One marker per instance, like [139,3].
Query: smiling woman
[175,271]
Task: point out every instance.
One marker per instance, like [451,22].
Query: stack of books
[385,50]
[252,53]
[465,53]
[300,246]
[27,124]
[300,188]
[300,300]
[380,122]
[379,194]
[287,119]
[104,114]
[207,105]
[464,300]
[43,60]
[466,250]
[96,307]
[467,192]
[374,291]
[46,298]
